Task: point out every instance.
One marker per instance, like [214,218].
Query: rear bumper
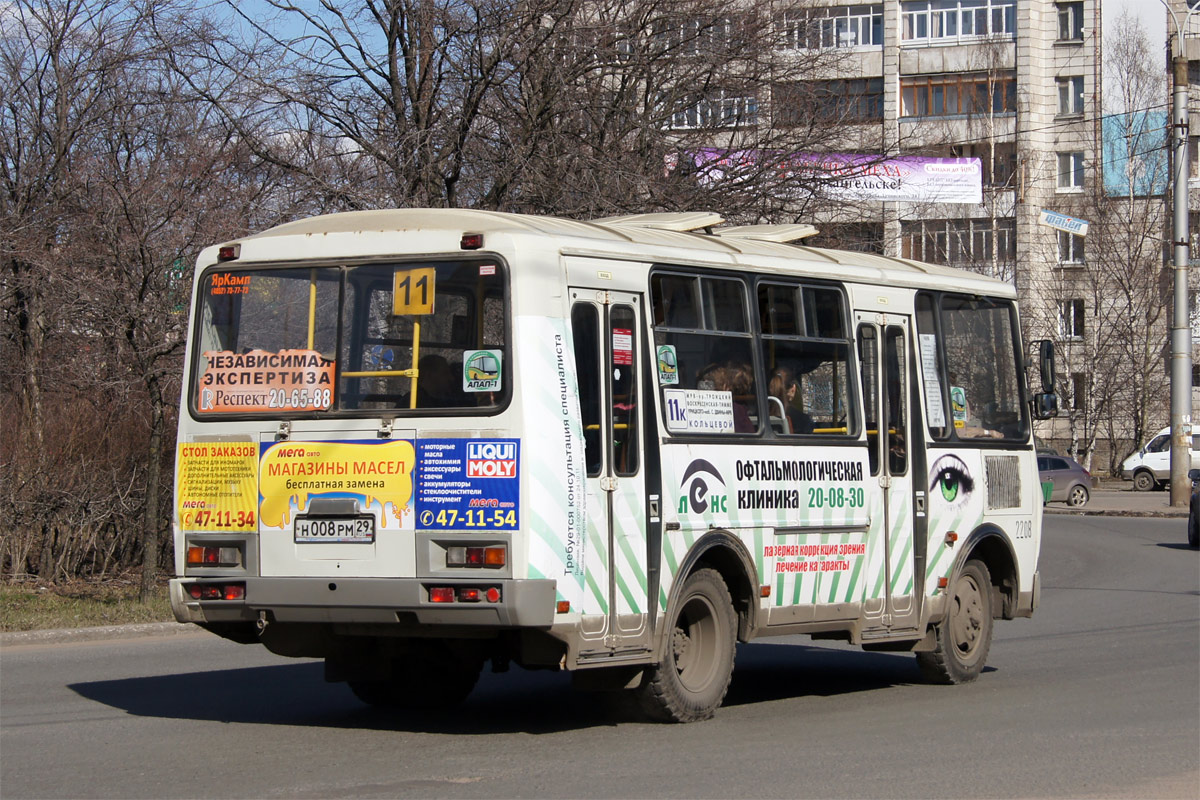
[523,603]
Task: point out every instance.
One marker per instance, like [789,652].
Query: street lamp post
[1181,334]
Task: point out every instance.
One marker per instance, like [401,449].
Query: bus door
[608,331]
[892,588]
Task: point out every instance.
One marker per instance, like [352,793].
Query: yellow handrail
[412,389]
[382,373]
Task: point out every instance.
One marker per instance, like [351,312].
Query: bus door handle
[608,483]
[919,502]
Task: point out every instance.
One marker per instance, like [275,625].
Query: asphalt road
[1097,696]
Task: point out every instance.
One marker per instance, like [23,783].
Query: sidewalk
[1118,499]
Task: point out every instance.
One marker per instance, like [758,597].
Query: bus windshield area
[415,336]
[978,395]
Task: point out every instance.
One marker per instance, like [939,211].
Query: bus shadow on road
[296,694]
[772,671]
[516,701]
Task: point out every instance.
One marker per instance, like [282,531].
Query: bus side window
[868,359]
[585,328]
[623,339]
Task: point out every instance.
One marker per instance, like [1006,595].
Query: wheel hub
[967,621]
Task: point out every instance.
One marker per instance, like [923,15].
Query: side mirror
[1045,405]
[1046,364]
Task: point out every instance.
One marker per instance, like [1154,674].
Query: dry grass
[28,606]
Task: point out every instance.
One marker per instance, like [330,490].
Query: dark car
[1072,483]
[1194,509]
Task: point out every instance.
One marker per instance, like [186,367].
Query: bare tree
[552,106]
[113,179]
[1110,288]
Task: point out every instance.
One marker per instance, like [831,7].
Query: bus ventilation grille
[1003,482]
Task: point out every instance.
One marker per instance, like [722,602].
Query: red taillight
[493,595]
[474,556]
[217,591]
[469,595]
[471,241]
[210,556]
[441,594]
[229,252]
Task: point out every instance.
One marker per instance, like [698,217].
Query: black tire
[421,682]
[1193,530]
[1144,480]
[1078,496]
[694,675]
[964,637]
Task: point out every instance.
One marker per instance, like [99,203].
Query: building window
[856,100]
[1070,248]
[1070,22]
[699,36]
[1070,171]
[1078,390]
[719,109]
[838,26]
[1070,319]
[862,237]
[1070,95]
[955,95]
[998,162]
[958,242]
[948,21]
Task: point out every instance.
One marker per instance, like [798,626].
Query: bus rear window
[412,336]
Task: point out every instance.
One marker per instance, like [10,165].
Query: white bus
[413,441]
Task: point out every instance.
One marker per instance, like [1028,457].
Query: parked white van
[1150,467]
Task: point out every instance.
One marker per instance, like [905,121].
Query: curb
[65,635]
[1084,512]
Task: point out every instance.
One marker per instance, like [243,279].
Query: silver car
[1072,483]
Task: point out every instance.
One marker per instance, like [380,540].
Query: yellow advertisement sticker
[293,472]
[218,486]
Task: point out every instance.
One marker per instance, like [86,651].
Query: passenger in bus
[783,387]
[736,379]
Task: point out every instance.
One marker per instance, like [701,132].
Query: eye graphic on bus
[483,367]
[701,484]
[951,480]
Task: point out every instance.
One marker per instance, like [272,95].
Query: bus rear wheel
[694,675]
[964,637]
[430,679]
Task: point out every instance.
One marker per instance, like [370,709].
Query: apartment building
[1073,207]
[1017,84]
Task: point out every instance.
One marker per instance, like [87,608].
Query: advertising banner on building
[910,179]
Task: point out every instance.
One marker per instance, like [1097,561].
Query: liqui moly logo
[491,460]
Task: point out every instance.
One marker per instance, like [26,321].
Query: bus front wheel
[694,675]
[965,635]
